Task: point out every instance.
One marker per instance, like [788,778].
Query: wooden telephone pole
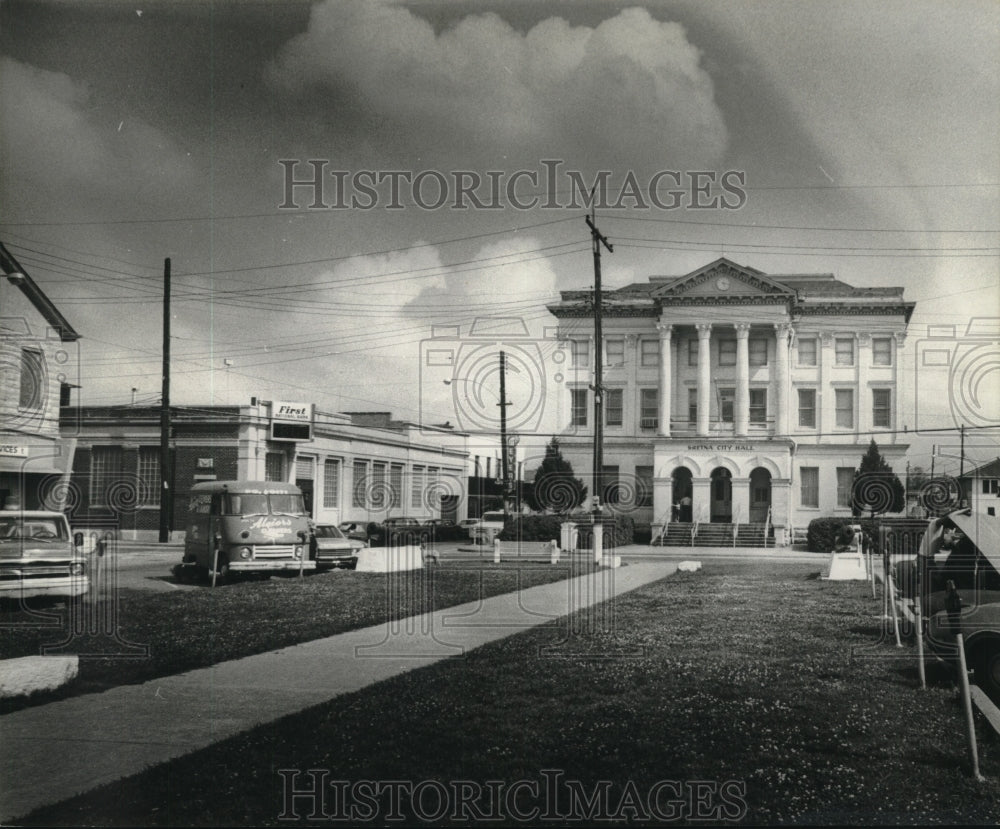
[165,500]
[598,387]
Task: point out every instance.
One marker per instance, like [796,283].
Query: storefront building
[733,396]
[38,368]
[360,466]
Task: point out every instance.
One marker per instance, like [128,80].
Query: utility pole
[165,505]
[598,386]
[961,469]
[504,460]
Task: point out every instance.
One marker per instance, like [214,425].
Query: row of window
[809,486]
[807,349]
[649,410]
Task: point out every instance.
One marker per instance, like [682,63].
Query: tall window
[105,470]
[882,408]
[881,351]
[615,351]
[692,405]
[809,482]
[149,476]
[807,351]
[396,484]
[581,353]
[807,408]
[845,483]
[758,406]
[649,353]
[613,407]
[758,351]
[417,490]
[844,351]
[578,407]
[274,466]
[644,486]
[360,484]
[32,391]
[693,351]
[844,402]
[648,409]
[378,494]
[727,352]
[726,397]
[331,483]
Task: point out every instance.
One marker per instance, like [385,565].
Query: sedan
[334,549]
[355,529]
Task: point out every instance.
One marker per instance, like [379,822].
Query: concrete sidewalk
[54,751]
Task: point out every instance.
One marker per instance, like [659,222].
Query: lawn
[138,635]
[753,693]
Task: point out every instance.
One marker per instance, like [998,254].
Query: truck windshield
[288,504]
[246,505]
[39,529]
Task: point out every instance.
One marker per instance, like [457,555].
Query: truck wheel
[988,671]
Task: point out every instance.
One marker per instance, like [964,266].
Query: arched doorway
[722,495]
[681,495]
[760,495]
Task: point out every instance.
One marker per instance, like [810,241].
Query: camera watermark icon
[533,368]
[967,365]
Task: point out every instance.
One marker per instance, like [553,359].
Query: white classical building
[733,396]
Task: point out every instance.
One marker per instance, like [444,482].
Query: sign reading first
[291,421]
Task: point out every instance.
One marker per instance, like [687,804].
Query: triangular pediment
[722,278]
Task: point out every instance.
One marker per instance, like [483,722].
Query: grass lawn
[773,689]
[157,634]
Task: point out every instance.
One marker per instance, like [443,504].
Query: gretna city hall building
[740,397]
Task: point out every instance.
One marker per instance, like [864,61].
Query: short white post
[554,552]
[598,542]
[496,550]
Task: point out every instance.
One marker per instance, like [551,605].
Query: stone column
[862,397]
[826,408]
[666,391]
[782,388]
[742,402]
[704,376]
[897,388]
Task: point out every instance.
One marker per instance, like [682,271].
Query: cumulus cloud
[56,139]
[629,92]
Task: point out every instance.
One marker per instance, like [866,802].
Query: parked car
[974,568]
[39,556]
[331,548]
[357,530]
[399,530]
[439,522]
[487,528]
[468,524]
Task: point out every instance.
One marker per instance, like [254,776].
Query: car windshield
[38,529]
[328,531]
[289,504]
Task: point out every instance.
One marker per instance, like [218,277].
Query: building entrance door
[722,496]
[760,495]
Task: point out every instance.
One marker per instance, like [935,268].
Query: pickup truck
[39,556]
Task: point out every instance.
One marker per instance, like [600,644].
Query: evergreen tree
[877,489]
[555,489]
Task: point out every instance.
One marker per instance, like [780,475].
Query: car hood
[26,548]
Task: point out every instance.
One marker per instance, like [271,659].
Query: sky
[862,135]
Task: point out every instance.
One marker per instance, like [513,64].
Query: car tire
[987,670]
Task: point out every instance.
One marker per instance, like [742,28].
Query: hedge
[822,533]
[619,530]
[532,528]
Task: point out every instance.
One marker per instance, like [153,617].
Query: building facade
[733,396]
[38,368]
[361,466]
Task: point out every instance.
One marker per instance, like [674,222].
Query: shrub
[619,530]
[822,533]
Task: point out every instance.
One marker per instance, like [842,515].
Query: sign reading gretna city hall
[722,447]
[291,421]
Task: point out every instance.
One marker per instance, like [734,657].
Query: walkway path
[54,751]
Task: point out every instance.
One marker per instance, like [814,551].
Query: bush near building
[822,533]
